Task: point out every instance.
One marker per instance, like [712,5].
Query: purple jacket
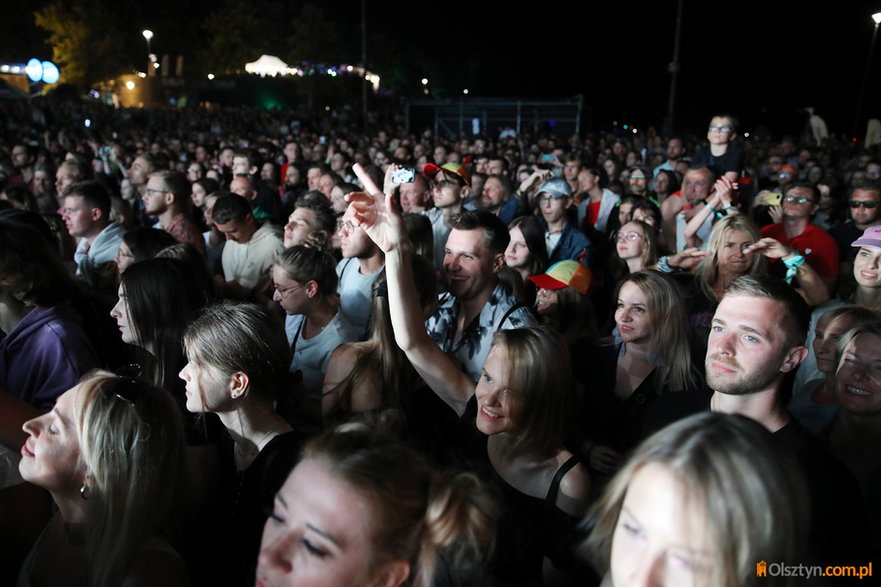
[45,355]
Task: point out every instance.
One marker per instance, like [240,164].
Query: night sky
[761,60]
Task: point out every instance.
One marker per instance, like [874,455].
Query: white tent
[267,65]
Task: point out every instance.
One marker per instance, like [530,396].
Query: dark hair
[421,235]
[797,313]
[31,265]
[495,233]
[731,119]
[534,236]
[507,185]
[599,172]
[209,185]
[304,263]
[229,207]
[195,260]
[651,209]
[869,185]
[94,195]
[804,185]
[21,198]
[154,160]
[325,217]
[145,243]
[161,296]
[251,155]
[674,178]
[711,174]
[176,183]
[241,337]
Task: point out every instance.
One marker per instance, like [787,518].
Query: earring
[84,492]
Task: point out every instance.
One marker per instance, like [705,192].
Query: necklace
[257,446]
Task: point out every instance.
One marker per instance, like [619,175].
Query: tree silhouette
[86,43]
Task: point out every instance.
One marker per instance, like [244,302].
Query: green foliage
[85,43]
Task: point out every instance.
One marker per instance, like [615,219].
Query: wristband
[665,267]
[792,266]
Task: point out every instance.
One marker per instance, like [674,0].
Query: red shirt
[185,231]
[818,247]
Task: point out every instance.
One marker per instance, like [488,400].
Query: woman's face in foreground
[320,534]
[51,456]
[660,538]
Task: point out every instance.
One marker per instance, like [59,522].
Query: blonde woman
[701,502]
[109,453]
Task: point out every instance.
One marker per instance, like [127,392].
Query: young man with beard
[757,337]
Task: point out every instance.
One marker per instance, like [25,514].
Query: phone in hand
[404,175]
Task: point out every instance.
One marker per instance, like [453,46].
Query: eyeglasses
[630,236]
[346,226]
[868,204]
[546,199]
[723,128]
[152,191]
[637,176]
[284,291]
[797,200]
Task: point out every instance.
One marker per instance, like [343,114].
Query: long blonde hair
[751,492]
[707,272]
[131,437]
[666,306]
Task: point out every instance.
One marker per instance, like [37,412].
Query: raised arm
[718,203]
[375,212]
[810,285]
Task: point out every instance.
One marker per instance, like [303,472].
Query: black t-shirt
[731,160]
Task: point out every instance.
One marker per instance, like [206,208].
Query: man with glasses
[451,186]
[816,247]
[864,209]
[167,197]
[563,240]
[723,157]
[639,179]
[361,264]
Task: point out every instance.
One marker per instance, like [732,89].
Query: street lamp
[876,18]
[148,35]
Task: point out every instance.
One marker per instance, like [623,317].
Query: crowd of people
[245,346]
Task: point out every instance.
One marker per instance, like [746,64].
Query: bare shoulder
[671,205]
[340,362]
[574,495]
[348,351]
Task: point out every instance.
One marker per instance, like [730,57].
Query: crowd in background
[235,342]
